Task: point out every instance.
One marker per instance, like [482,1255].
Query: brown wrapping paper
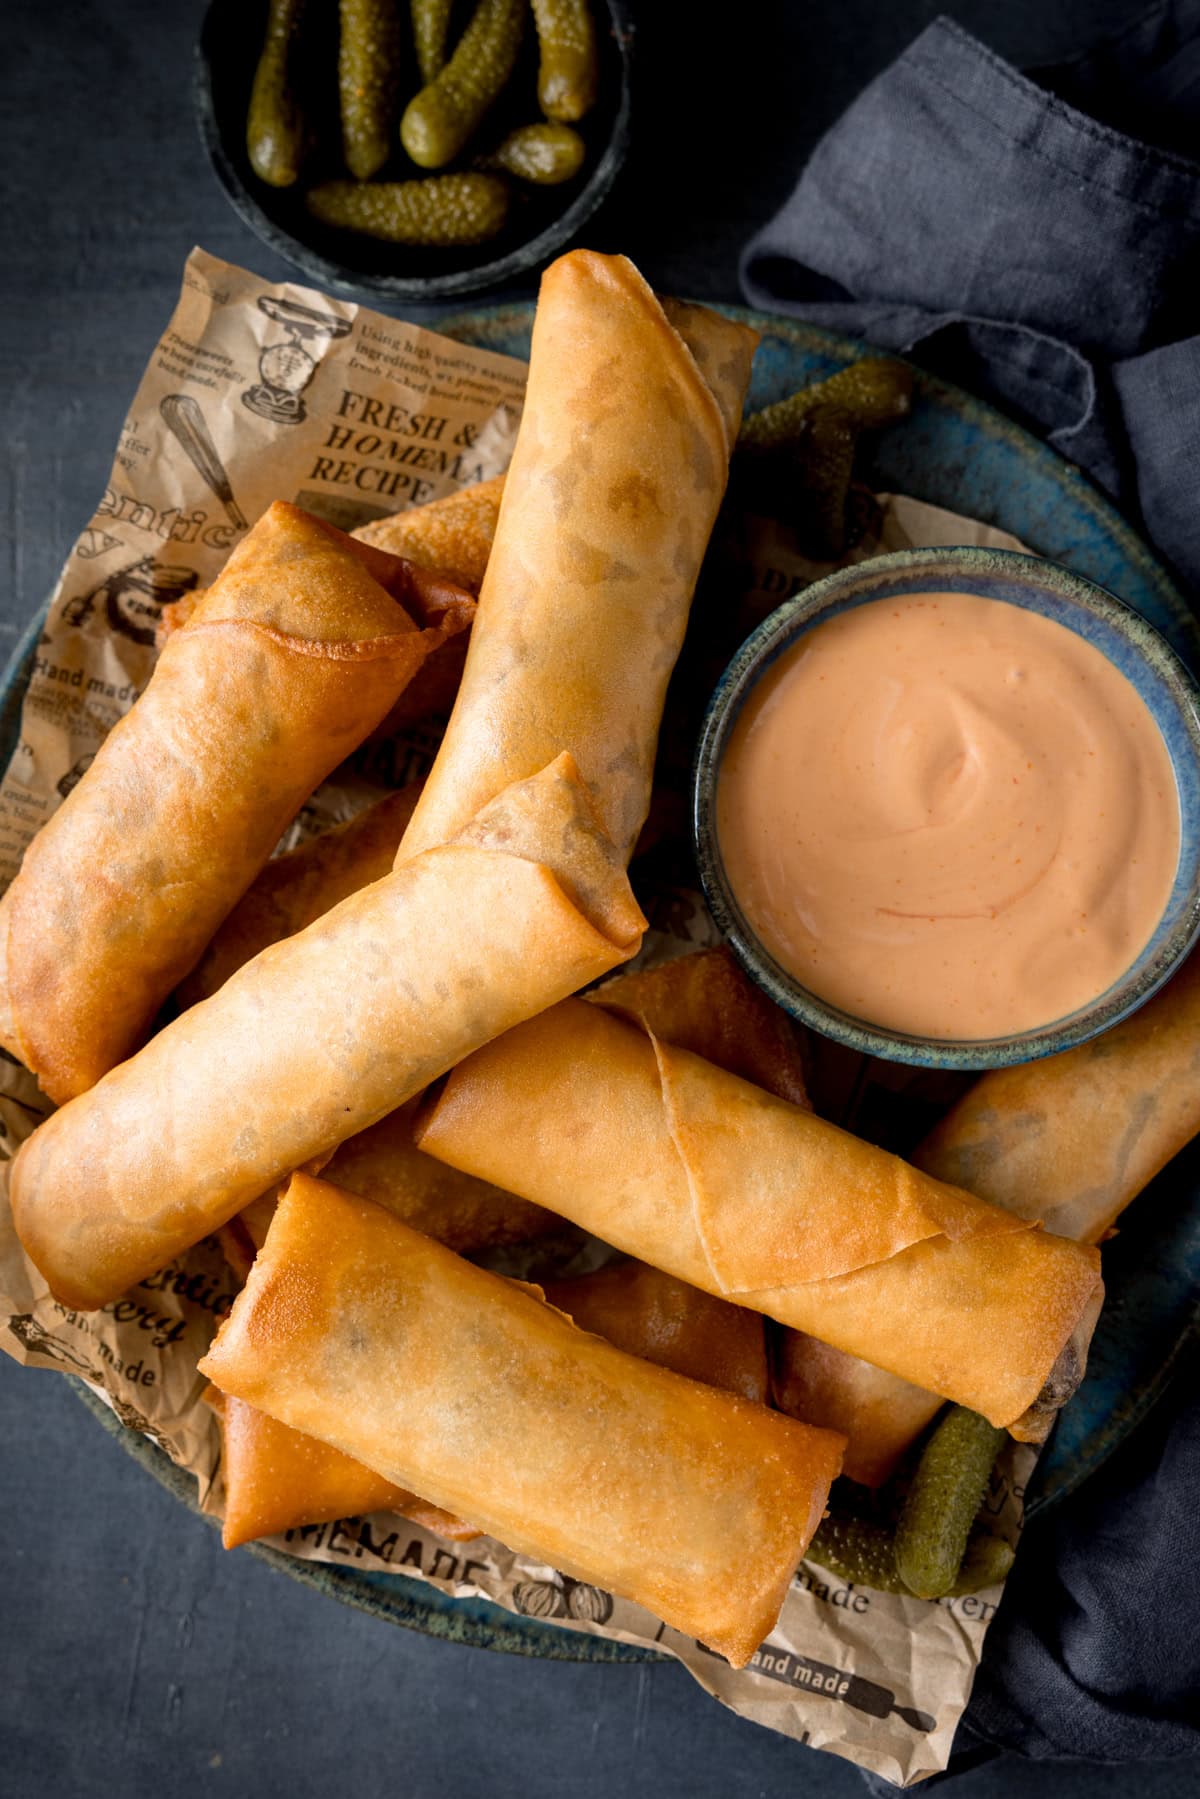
[375,416]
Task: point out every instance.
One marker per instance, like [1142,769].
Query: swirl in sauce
[948,816]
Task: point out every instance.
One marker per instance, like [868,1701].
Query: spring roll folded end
[550,819]
[1034,1424]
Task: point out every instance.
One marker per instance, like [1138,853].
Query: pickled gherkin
[986,1563]
[369,53]
[871,393]
[858,1550]
[430,25]
[568,71]
[441,211]
[447,112]
[276,130]
[943,1498]
[543,153]
[797,456]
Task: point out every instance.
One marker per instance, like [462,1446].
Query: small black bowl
[541,222]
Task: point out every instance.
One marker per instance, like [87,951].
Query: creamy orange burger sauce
[949,816]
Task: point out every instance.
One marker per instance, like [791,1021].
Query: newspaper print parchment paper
[258,392]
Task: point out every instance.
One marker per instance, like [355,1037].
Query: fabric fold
[978,219]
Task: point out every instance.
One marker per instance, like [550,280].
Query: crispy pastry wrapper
[329,1030]
[714,1180]
[453,536]
[296,652]
[277,1478]
[363,1333]
[630,419]
[295,889]
[664,1320]
[1072,1140]
[876,1679]
[878,1413]
[703,1000]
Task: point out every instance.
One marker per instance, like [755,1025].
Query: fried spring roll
[620,464]
[701,1002]
[664,1320]
[369,1336]
[296,652]
[452,536]
[1073,1138]
[277,1479]
[1069,1140]
[705,1003]
[878,1413]
[295,889]
[384,1164]
[709,1178]
[326,1032]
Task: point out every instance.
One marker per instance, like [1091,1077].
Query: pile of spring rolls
[360,1062]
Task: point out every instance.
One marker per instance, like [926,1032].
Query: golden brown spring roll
[321,1035]
[384,1164]
[298,649]
[277,1479]
[701,1174]
[650,1314]
[296,888]
[620,464]
[1072,1139]
[701,1002]
[1069,1140]
[452,536]
[878,1413]
[705,1003]
[686,1499]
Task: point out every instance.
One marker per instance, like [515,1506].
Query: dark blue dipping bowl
[1122,635]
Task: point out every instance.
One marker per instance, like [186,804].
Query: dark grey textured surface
[135,1656]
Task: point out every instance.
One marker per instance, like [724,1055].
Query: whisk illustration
[185,421]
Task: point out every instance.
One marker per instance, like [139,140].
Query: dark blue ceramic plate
[1120,634]
[957,453]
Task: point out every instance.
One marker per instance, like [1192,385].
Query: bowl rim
[750,662]
[524,259]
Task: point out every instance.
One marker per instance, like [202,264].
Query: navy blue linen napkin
[1038,242]
[977,220]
